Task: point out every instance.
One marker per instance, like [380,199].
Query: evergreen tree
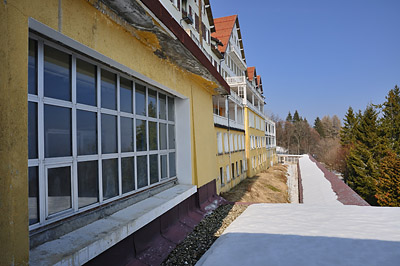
[390,123]
[388,186]
[362,173]
[347,131]
[296,117]
[289,118]
[319,127]
[366,131]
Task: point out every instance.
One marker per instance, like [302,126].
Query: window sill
[85,243]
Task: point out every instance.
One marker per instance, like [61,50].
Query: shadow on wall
[277,249]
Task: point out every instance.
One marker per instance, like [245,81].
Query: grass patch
[273,188]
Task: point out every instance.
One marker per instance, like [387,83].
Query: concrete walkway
[328,229]
[300,234]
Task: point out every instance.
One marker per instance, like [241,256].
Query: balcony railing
[223,121]
[255,109]
[236,81]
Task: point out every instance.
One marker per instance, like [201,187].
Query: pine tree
[289,118]
[347,131]
[388,185]
[366,131]
[363,159]
[296,117]
[362,172]
[319,127]
[390,123]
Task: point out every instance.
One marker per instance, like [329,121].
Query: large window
[95,134]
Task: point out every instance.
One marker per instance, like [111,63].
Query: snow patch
[316,188]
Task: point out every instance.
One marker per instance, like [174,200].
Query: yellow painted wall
[104,32]
[224,159]
[251,153]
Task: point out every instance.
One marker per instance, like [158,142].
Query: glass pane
[141,144]
[153,168]
[172,165]
[142,171]
[140,99]
[163,136]
[32,131]
[162,102]
[153,136]
[57,131]
[86,83]
[108,90]
[33,200]
[110,178]
[108,133]
[59,189]
[126,134]
[128,174]
[57,82]
[171,136]
[152,103]
[125,88]
[87,132]
[32,67]
[171,109]
[88,183]
[164,173]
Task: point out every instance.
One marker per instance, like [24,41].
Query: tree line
[370,147]
[366,149]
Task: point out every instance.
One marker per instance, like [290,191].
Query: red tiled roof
[259,84]
[223,29]
[251,71]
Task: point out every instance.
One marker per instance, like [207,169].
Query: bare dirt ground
[267,187]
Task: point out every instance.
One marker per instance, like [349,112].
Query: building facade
[105,128]
[108,138]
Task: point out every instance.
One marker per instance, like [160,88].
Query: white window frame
[44,163]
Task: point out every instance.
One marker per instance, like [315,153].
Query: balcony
[224,121]
[236,81]
[235,54]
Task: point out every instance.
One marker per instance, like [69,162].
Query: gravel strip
[203,236]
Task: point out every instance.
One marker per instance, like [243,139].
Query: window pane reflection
[59,189]
[128,174]
[88,183]
[142,171]
[87,132]
[153,168]
[171,109]
[110,178]
[32,131]
[152,103]
[57,131]
[33,200]
[162,102]
[126,134]
[141,143]
[32,67]
[163,136]
[140,99]
[172,165]
[163,164]
[171,137]
[153,136]
[108,90]
[57,81]
[125,88]
[108,133]
[86,83]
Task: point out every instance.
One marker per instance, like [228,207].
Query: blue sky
[320,56]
